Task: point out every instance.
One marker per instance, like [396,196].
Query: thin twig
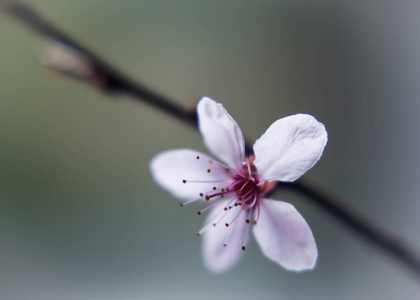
[111,80]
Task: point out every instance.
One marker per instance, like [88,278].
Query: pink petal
[217,257]
[285,237]
[290,147]
[221,135]
[170,168]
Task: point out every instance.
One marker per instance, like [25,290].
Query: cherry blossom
[236,190]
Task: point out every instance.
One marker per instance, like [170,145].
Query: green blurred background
[80,217]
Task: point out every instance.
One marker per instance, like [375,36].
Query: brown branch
[111,80]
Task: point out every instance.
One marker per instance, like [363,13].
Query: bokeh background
[80,217]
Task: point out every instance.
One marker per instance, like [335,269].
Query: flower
[236,190]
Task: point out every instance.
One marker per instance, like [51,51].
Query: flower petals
[170,168]
[221,134]
[285,237]
[290,147]
[217,257]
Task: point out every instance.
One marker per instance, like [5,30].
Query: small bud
[67,60]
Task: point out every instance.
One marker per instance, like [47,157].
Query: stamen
[232,229]
[229,205]
[225,169]
[190,201]
[234,219]
[253,201]
[229,186]
[202,181]
[248,220]
[213,222]
[248,166]
[246,235]
[210,206]
[249,170]
[257,213]
[244,185]
[208,194]
[208,197]
[218,218]
[198,157]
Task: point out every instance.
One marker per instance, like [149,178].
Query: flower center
[240,190]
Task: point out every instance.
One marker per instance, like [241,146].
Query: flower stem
[112,81]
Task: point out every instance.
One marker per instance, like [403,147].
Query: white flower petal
[217,257]
[170,168]
[290,147]
[221,134]
[284,236]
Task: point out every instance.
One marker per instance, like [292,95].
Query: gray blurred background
[80,217]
